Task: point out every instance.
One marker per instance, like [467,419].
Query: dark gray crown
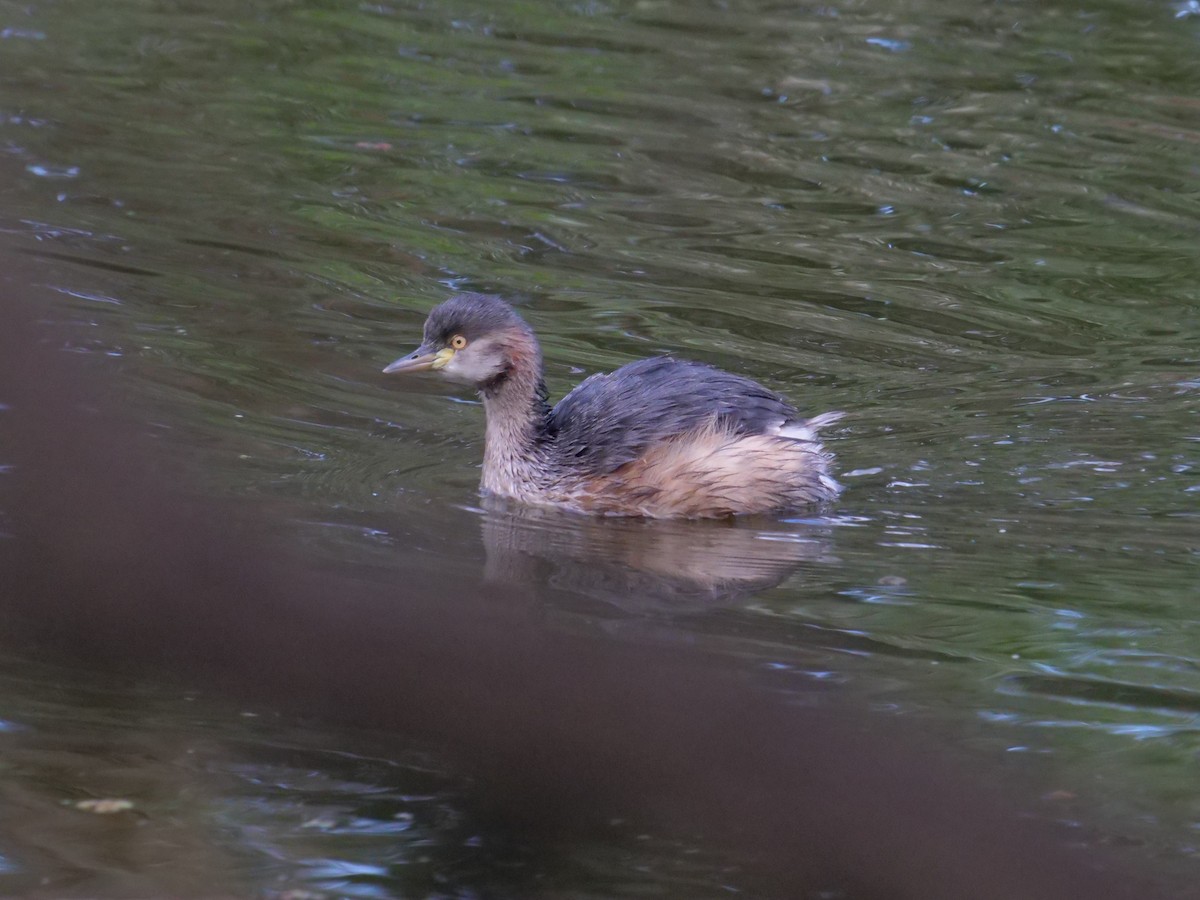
[472,316]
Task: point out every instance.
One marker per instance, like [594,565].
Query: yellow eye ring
[458,342]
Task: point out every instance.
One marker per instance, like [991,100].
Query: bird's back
[613,419]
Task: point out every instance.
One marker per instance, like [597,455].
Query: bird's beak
[422,359]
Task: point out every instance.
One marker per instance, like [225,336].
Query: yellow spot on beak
[442,358]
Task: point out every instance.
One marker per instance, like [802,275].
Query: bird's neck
[517,421]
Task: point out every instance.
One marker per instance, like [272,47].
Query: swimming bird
[660,437]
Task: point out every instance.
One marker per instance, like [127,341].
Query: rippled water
[973,227]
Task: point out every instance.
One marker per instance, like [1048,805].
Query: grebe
[660,437]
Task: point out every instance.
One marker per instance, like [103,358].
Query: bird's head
[475,339]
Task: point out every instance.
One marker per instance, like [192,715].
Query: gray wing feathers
[609,420]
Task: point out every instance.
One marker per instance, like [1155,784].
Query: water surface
[973,228]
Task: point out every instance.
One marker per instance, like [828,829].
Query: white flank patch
[807,429]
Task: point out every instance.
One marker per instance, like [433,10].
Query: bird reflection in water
[646,566]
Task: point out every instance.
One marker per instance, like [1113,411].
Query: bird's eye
[458,342]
